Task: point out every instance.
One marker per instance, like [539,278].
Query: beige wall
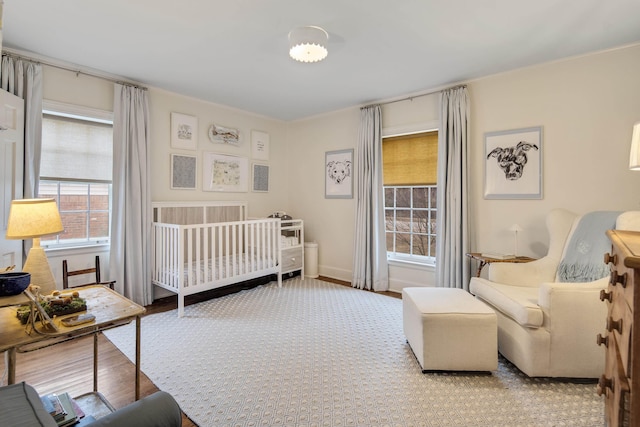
[162,103]
[64,86]
[586,106]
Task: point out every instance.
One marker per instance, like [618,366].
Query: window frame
[89,114]
[390,132]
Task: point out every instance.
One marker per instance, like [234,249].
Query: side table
[484,260]
[110,310]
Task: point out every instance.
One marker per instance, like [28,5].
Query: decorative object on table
[224,172]
[513,164]
[224,135]
[13,283]
[183,172]
[634,156]
[184,131]
[516,229]
[259,145]
[33,218]
[54,304]
[338,179]
[308,44]
[260,178]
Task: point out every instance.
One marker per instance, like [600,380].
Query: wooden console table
[109,308]
[484,260]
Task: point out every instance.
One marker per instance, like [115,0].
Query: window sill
[78,250]
[427,266]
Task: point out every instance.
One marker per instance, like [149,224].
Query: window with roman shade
[410,166]
[75,169]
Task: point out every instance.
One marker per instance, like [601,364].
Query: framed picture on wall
[260,181]
[183,172]
[223,172]
[338,178]
[513,164]
[259,145]
[224,135]
[184,131]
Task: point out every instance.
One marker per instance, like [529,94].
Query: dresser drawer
[291,259]
[614,386]
[619,324]
[621,283]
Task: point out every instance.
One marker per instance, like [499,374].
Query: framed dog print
[338,178]
[184,131]
[223,172]
[183,172]
[513,164]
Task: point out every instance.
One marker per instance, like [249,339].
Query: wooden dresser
[622,339]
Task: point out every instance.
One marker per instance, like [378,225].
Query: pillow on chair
[20,406]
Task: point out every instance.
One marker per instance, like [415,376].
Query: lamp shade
[308,44]
[634,156]
[33,218]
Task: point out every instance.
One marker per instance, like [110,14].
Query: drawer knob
[602,340]
[618,278]
[604,385]
[604,295]
[608,258]
[614,325]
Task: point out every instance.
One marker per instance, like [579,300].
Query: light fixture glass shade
[308,44]
[634,156]
[33,218]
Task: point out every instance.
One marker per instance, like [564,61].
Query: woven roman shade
[410,159]
[76,149]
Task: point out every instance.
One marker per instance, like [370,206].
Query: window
[75,169]
[410,177]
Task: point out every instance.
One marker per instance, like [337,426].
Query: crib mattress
[220,268]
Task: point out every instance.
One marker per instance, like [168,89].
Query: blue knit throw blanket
[584,256]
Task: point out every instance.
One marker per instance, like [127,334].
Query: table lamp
[516,229]
[35,218]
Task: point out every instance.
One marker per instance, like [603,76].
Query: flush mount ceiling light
[308,44]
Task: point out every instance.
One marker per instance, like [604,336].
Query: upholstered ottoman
[450,330]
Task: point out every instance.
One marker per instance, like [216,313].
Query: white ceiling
[235,52]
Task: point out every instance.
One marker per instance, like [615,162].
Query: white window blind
[76,149]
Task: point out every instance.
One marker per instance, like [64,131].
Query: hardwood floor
[68,367]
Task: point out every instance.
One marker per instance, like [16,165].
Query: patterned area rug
[314,353]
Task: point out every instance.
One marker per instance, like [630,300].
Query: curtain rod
[411,98]
[76,71]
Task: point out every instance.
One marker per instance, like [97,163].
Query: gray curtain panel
[452,238]
[131,219]
[24,79]
[370,270]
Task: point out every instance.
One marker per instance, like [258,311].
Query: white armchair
[545,327]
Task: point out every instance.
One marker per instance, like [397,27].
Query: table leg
[12,366]
[137,357]
[481,264]
[95,362]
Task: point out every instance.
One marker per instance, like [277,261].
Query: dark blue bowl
[13,283]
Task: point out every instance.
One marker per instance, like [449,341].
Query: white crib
[199,246]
